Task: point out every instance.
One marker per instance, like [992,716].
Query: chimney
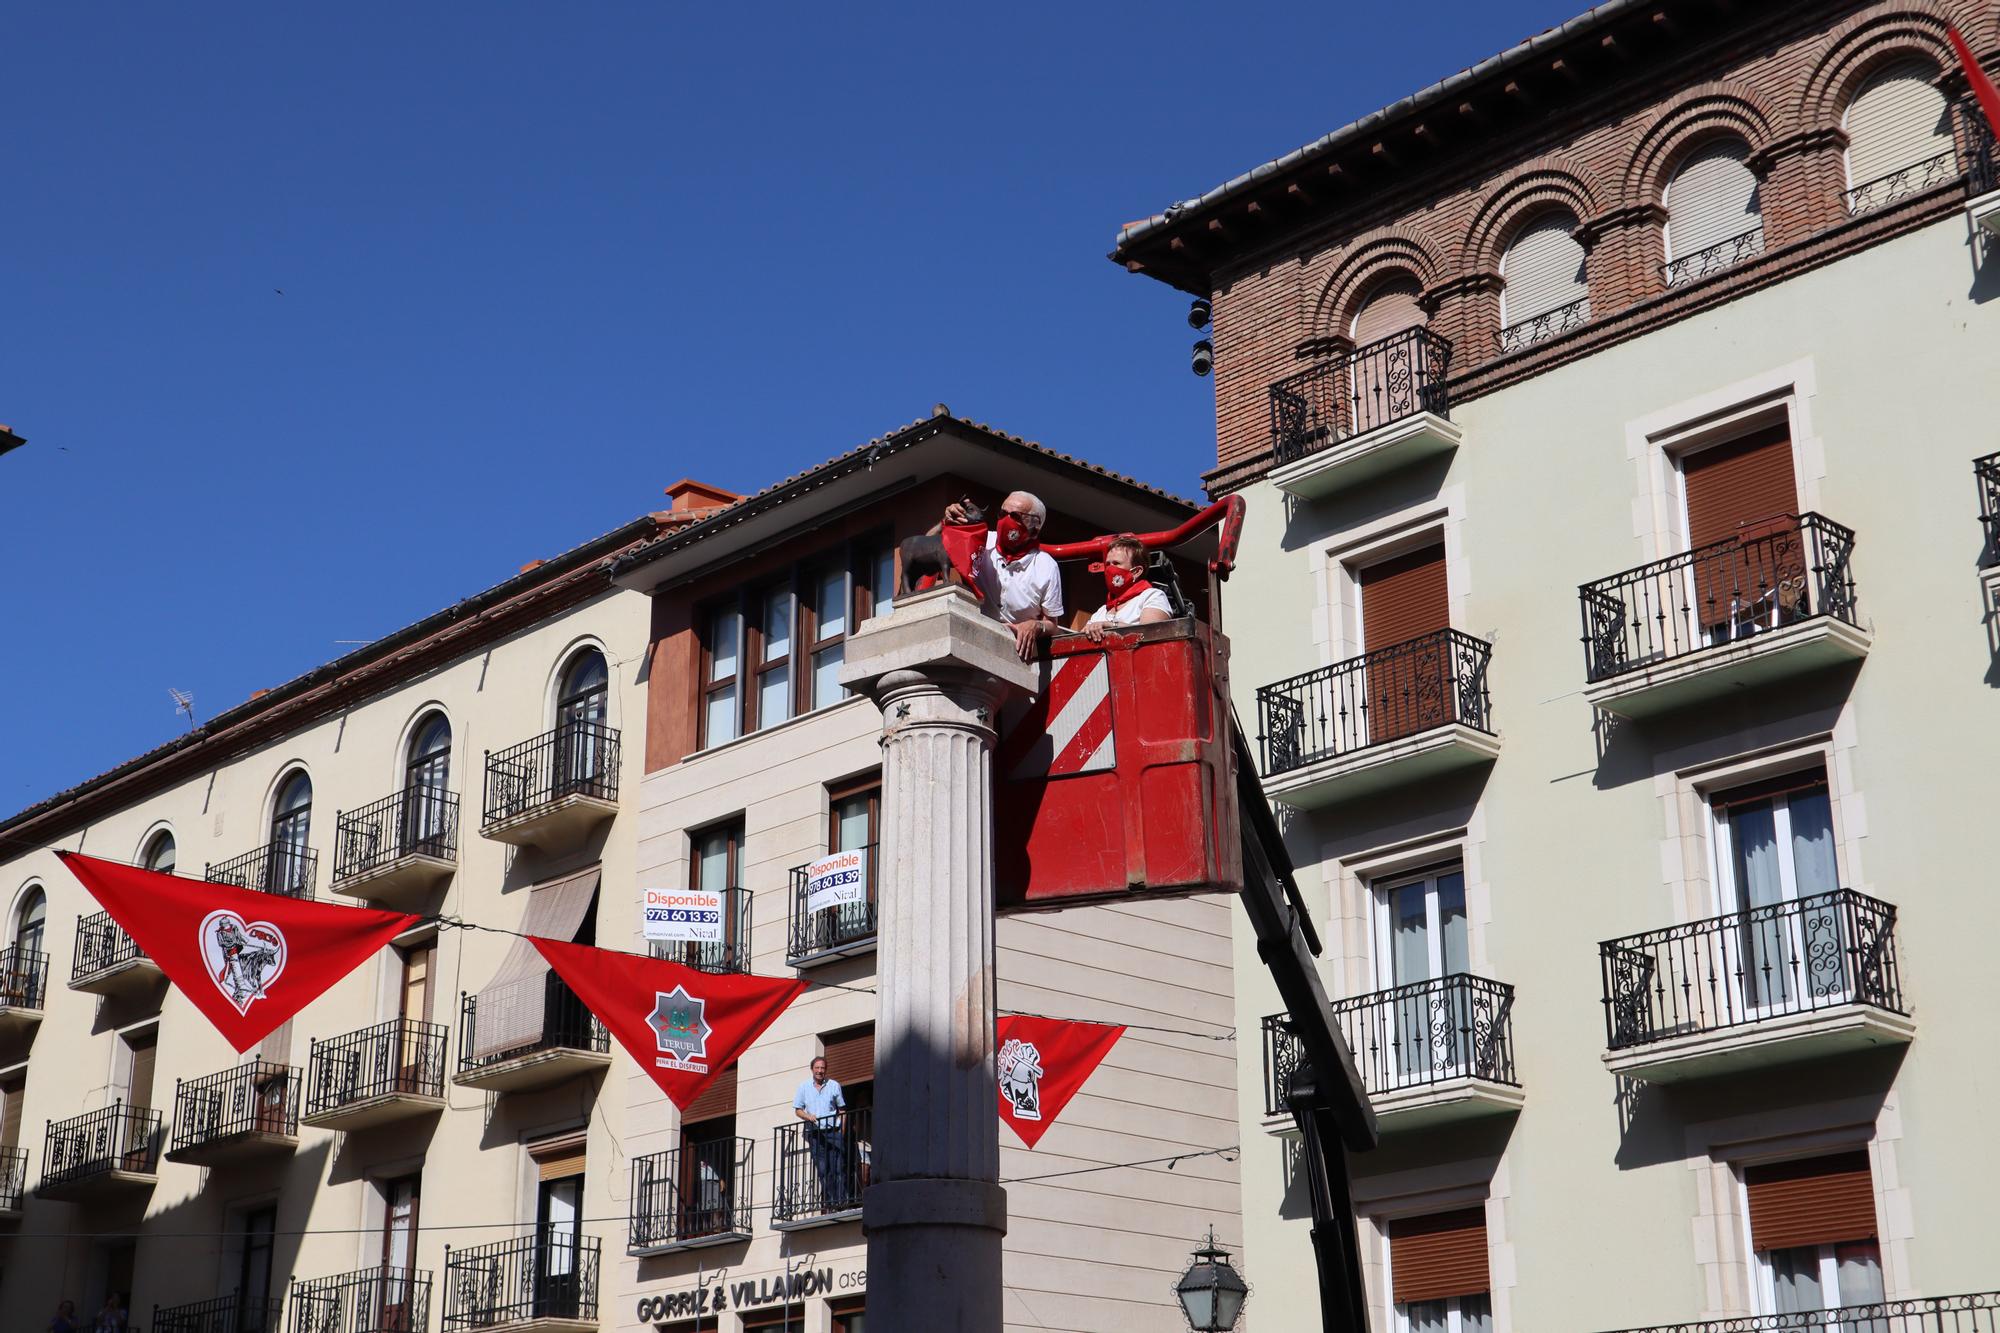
[688,495]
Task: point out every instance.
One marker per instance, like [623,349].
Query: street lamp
[1210,1292]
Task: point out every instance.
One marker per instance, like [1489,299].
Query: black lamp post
[1211,1293]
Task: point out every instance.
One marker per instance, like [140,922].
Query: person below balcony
[1129,599]
[820,1103]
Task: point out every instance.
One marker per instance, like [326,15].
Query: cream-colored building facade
[1643,818]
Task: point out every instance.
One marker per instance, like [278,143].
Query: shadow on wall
[1985,264]
[1309,521]
[1370,823]
[1631,751]
[1989,599]
[1464,1153]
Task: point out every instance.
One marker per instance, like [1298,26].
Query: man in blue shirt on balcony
[821,1105]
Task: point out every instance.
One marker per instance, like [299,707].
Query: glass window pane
[826,675]
[774,697]
[1795,1280]
[882,581]
[832,605]
[712,866]
[1424,1316]
[1860,1268]
[1754,834]
[1409,945]
[1812,844]
[1475,1314]
[851,823]
[1451,923]
[721,717]
[722,646]
[777,625]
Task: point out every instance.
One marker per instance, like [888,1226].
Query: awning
[511,1007]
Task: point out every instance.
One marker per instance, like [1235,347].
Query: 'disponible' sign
[684,915]
[837,880]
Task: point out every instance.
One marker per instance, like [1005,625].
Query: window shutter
[850,1056]
[1711,199]
[1431,1258]
[1404,597]
[1791,784]
[717,1100]
[1390,309]
[558,1158]
[1737,483]
[1897,120]
[1542,269]
[1818,1201]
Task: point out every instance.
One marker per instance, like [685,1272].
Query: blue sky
[537,261]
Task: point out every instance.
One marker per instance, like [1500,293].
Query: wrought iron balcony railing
[565,1024]
[416,821]
[234,1313]
[256,1097]
[13,1178]
[1976,1313]
[1725,972]
[1780,572]
[1528,332]
[551,1274]
[399,1057]
[1345,396]
[24,978]
[1902,182]
[731,953]
[115,1138]
[691,1192]
[276,867]
[1715,258]
[1433,680]
[1986,472]
[1982,167]
[373,1300]
[1413,1036]
[822,1167]
[101,944]
[842,926]
[576,759]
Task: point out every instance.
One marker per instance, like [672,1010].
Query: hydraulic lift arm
[1326,1096]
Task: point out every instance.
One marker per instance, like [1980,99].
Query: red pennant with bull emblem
[250,961]
[1042,1063]
[684,1026]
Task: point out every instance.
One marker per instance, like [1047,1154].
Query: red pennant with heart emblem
[684,1026]
[250,961]
[1042,1063]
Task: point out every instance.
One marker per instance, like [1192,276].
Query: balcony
[1982,170]
[839,930]
[105,1152]
[1792,981]
[373,1300]
[1773,603]
[1978,1313]
[241,1113]
[536,1033]
[545,791]
[391,1071]
[1716,258]
[1399,714]
[1986,474]
[233,1313]
[1428,1053]
[691,1196]
[13,1181]
[1353,417]
[731,953]
[24,989]
[543,1283]
[105,960]
[1902,182]
[392,852]
[822,1169]
[1545,326]
[276,867]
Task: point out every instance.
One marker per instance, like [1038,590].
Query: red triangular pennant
[962,544]
[684,1026]
[1042,1063]
[248,960]
[1982,87]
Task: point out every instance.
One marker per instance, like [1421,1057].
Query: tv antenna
[183,703]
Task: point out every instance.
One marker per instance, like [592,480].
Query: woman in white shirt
[1129,599]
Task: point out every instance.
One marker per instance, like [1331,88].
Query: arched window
[289,868]
[1544,289]
[427,788]
[1714,217]
[31,923]
[584,746]
[1391,308]
[585,692]
[429,762]
[160,853]
[1898,136]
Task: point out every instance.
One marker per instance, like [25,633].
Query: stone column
[934,1212]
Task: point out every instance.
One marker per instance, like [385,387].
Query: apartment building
[1607,415]
[428,1145]
[756,765]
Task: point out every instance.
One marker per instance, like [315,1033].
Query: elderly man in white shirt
[1019,580]
[1129,598]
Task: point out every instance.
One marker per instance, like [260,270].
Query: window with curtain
[1543,272]
[1775,857]
[1812,1227]
[1422,938]
[1897,120]
[1711,200]
[1438,1273]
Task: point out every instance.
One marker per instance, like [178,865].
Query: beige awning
[511,1007]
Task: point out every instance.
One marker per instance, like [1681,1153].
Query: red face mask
[1013,535]
[1122,582]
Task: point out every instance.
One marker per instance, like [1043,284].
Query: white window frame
[1384,931]
[1454,1315]
[1729,899]
[1765,1281]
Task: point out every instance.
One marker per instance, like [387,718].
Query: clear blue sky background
[540,260]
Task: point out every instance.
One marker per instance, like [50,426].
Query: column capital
[938,634]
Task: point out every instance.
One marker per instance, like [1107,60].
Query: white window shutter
[1711,199]
[1897,120]
[1542,270]
[1390,309]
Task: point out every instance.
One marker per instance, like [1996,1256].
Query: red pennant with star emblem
[1042,1063]
[250,961]
[684,1026]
